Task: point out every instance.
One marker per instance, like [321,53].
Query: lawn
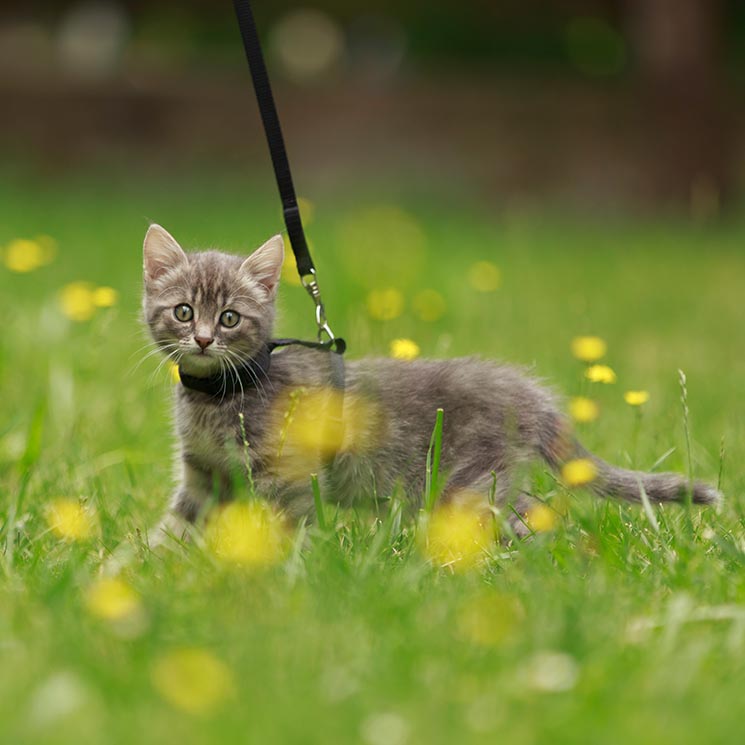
[616,625]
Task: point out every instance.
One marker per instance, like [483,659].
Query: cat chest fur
[209,433]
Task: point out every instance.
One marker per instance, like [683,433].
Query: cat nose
[203,341]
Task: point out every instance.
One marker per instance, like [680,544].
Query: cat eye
[183,312]
[229,318]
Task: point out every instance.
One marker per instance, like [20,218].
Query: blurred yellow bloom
[490,618]
[386,304]
[309,425]
[192,680]
[173,372]
[77,302]
[112,599]
[23,256]
[429,305]
[484,276]
[247,534]
[541,518]
[457,536]
[588,348]
[404,349]
[105,297]
[636,398]
[600,374]
[70,520]
[578,472]
[583,409]
[289,267]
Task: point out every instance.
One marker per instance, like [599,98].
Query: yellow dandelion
[104,297]
[192,680]
[70,520]
[583,409]
[247,534]
[173,372]
[112,599]
[429,305]
[404,349]
[457,536]
[289,269]
[588,348]
[600,374]
[636,398]
[77,301]
[23,256]
[541,518]
[578,472]
[385,304]
[484,276]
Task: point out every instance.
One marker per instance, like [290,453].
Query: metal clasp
[311,286]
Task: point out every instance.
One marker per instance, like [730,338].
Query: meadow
[611,624]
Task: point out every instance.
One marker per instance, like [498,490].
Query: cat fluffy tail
[612,481]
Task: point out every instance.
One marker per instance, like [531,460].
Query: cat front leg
[197,488]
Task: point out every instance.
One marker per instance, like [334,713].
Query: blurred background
[618,105]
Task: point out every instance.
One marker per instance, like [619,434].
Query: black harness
[255,371]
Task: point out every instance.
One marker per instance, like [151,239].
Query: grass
[617,626]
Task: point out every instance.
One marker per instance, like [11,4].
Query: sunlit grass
[375,624]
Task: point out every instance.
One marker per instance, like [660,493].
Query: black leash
[282,173]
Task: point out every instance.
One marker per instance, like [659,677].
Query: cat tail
[612,481]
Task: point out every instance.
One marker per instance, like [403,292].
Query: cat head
[209,309]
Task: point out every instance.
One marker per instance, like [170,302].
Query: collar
[230,381]
[250,374]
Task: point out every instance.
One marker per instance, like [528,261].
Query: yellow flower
[429,305]
[77,301]
[23,256]
[578,472]
[192,680]
[70,520]
[484,276]
[583,409]
[104,297]
[636,398]
[600,374]
[173,372]
[112,599]
[541,518]
[588,348]
[247,534]
[404,349]
[385,305]
[289,268]
[457,536]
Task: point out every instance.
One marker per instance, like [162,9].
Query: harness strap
[254,372]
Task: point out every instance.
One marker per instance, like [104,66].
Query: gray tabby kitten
[212,312]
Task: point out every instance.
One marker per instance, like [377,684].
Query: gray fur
[496,417]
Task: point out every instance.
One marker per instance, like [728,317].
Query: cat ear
[161,253]
[265,264]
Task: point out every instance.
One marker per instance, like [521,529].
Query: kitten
[213,314]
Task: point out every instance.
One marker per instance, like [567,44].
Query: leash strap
[281,165]
[273,131]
